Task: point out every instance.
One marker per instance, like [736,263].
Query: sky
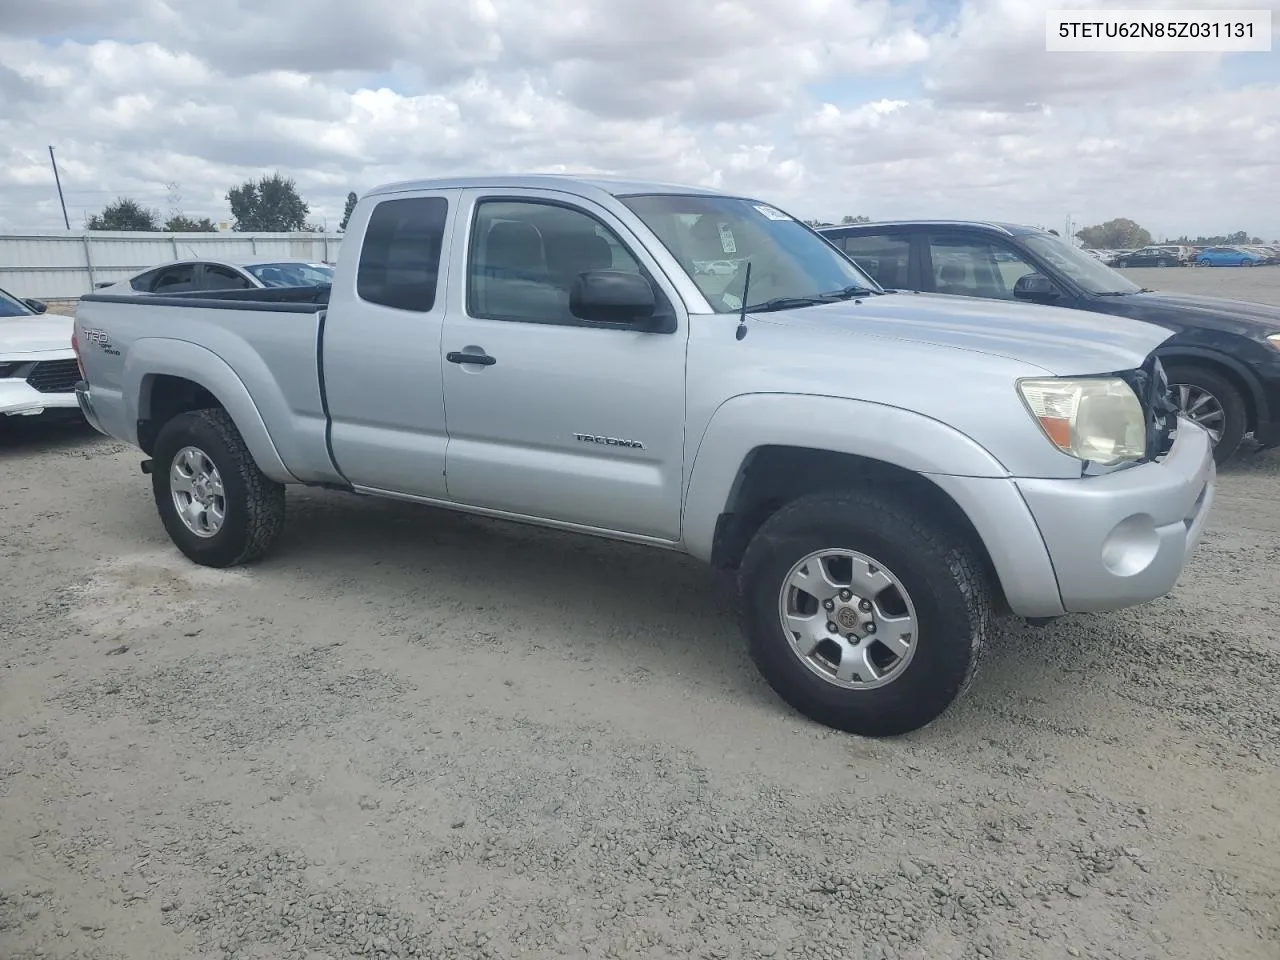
[883,108]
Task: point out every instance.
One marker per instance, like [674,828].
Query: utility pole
[58,181]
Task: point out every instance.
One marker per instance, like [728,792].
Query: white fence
[63,265]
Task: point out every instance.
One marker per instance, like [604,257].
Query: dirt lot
[411,733]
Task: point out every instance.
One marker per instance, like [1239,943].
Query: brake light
[75,348]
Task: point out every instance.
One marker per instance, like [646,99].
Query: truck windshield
[1087,271]
[714,238]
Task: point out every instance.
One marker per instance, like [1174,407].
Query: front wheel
[1212,401]
[219,509]
[860,614]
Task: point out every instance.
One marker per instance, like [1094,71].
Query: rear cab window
[399,263]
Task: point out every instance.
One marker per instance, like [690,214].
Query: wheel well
[1228,373]
[163,398]
[772,476]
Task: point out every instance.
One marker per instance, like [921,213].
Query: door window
[175,279]
[525,256]
[883,256]
[400,257]
[218,277]
[973,267]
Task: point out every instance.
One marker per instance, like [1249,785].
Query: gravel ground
[415,734]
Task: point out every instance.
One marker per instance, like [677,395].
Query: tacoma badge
[609,441]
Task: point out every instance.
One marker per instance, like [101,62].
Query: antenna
[742,315]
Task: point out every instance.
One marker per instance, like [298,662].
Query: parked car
[1266,255]
[38,370]
[1223,358]
[1149,257]
[878,474]
[181,276]
[1227,257]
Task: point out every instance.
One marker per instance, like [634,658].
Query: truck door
[381,345]
[558,419]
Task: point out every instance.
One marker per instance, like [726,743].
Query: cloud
[825,107]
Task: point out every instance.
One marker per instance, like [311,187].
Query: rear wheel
[1212,401]
[216,505]
[860,614]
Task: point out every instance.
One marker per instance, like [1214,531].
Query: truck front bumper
[1124,538]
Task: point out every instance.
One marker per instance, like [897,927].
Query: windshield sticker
[727,243]
[771,212]
[731,301]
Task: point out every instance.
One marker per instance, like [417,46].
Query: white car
[38,369]
[182,276]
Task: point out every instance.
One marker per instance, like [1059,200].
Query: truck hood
[1257,320]
[1059,341]
[41,334]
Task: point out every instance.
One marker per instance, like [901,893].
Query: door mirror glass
[612,296]
[1035,286]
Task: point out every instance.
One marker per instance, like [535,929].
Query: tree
[124,213]
[1119,234]
[180,223]
[346,211]
[858,219]
[271,205]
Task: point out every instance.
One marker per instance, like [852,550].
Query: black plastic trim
[324,396]
[308,299]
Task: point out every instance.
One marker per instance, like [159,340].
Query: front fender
[889,434]
[154,356]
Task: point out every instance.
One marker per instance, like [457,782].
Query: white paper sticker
[727,243]
[771,212]
[731,301]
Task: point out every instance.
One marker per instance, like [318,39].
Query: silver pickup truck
[876,474]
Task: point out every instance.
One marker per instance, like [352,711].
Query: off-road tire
[946,583]
[255,504]
[1236,417]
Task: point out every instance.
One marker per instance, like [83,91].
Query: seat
[512,280]
[951,279]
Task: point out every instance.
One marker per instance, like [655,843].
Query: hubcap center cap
[848,618]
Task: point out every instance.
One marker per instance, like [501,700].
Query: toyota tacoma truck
[878,475]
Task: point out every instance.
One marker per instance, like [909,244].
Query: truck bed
[258,351]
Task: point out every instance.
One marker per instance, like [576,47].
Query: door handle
[480,359]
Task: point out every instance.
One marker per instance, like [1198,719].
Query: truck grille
[54,376]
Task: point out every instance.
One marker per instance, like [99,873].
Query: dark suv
[1223,359]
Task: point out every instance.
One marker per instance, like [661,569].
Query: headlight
[1096,419]
[1274,340]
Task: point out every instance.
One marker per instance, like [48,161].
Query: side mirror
[612,296]
[39,306]
[1035,286]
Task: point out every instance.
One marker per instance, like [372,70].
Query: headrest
[514,245]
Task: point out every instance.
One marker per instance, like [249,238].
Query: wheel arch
[180,376]
[773,475]
[761,450]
